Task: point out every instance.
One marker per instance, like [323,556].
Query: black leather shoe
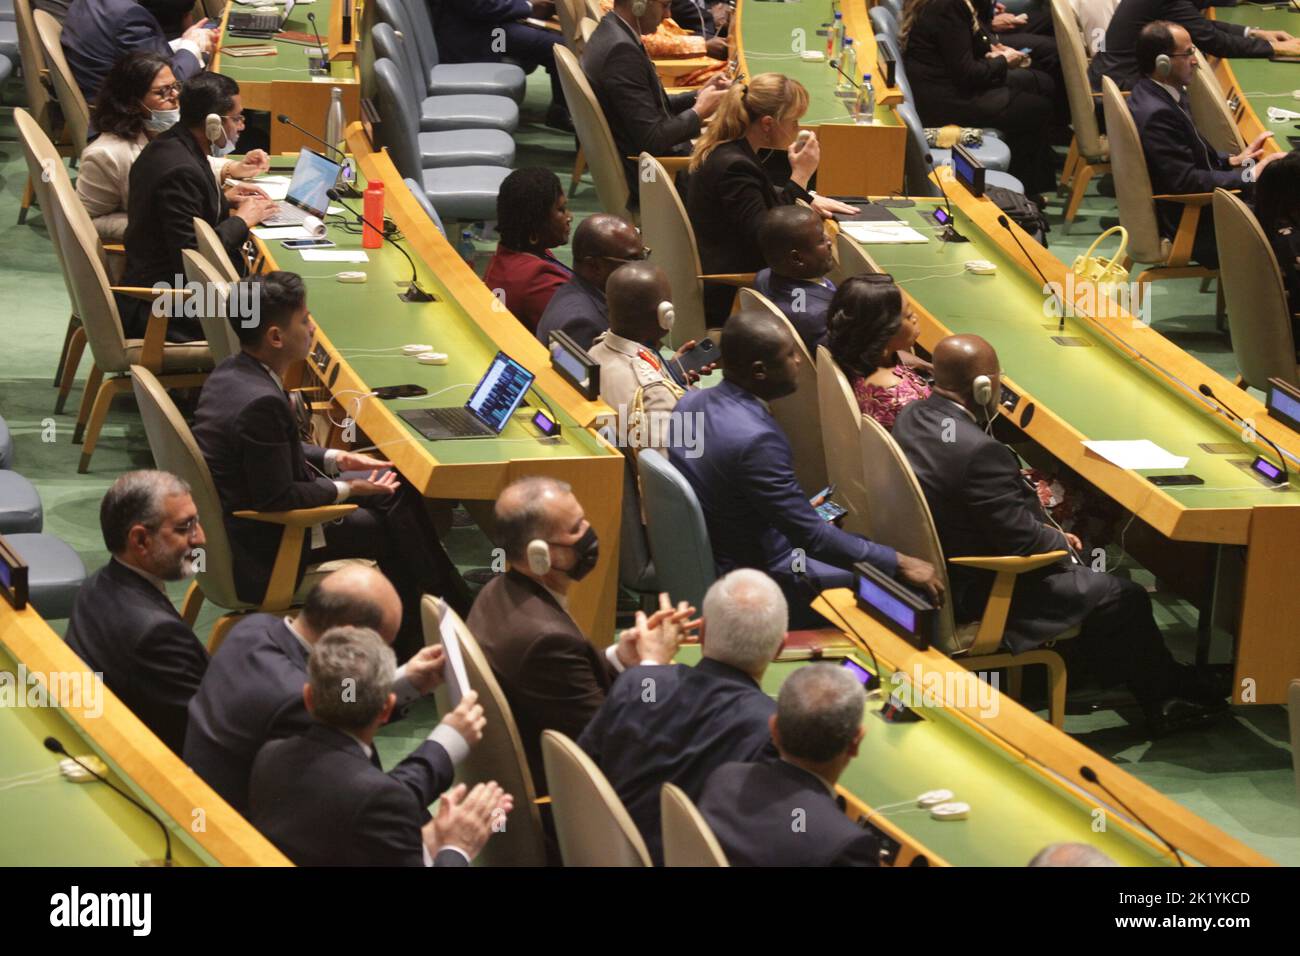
[557,117]
[1178,713]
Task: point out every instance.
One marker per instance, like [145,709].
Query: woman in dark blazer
[960,74]
[729,188]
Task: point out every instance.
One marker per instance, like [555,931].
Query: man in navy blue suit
[472,31]
[1179,159]
[798,255]
[742,470]
[98,33]
[677,724]
[253,691]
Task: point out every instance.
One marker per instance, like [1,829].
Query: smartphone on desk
[306,243]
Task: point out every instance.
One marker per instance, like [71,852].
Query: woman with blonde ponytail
[730,188]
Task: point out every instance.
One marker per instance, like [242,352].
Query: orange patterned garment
[669,40]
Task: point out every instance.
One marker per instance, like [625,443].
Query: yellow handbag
[1104,273]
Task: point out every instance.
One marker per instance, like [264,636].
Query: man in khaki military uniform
[634,378]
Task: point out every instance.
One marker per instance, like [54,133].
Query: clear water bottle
[336,120]
[864,107]
[848,65]
[837,34]
[466,248]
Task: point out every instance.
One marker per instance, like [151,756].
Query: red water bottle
[373,207]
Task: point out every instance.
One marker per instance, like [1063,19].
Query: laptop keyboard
[289,215]
[455,419]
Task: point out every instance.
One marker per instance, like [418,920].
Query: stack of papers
[1135,455]
[881,232]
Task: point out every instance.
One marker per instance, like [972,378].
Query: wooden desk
[1127,381]
[59,823]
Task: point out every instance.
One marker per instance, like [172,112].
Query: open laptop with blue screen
[494,399]
[308,194]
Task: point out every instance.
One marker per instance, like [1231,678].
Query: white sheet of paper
[882,232]
[334,255]
[1139,453]
[281,232]
[454,671]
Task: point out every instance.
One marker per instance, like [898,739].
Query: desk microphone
[950,233]
[413,291]
[1087,773]
[52,744]
[347,188]
[1209,393]
[324,53]
[1002,221]
[835,64]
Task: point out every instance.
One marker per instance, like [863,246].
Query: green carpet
[1236,774]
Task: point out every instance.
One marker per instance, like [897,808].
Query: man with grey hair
[323,797]
[553,677]
[1071,854]
[123,624]
[785,812]
[678,724]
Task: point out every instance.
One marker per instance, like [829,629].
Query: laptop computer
[308,193]
[261,26]
[494,399]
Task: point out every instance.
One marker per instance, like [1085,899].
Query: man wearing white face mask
[123,625]
[139,100]
[171,185]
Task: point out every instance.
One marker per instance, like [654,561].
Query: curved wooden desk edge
[130,745]
[1054,754]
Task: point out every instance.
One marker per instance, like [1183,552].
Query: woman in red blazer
[532,217]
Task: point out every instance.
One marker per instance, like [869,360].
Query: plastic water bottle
[837,34]
[466,248]
[864,107]
[372,205]
[848,65]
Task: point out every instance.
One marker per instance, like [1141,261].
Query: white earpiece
[214,128]
[539,557]
[666,316]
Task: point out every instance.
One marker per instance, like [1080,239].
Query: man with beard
[123,625]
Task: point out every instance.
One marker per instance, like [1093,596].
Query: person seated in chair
[753,808]
[798,256]
[601,244]
[1179,159]
[324,799]
[699,717]
[171,184]
[742,470]
[642,117]
[532,217]
[98,33]
[552,676]
[248,431]
[252,692]
[981,505]
[1277,207]
[123,624]
[1118,56]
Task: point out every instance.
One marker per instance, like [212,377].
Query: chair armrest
[671,164]
[146,293]
[299,517]
[1124,93]
[114,248]
[1188,199]
[741,279]
[1014,564]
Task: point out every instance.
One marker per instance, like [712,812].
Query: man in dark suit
[983,506]
[1179,159]
[324,799]
[474,31]
[742,470]
[798,255]
[98,33]
[249,434]
[641,115]
[171,185]
[552,676]
[123,625]
[1118,57]
[785,812]
[601,244]
[252,691]
[708,18]
[678,724]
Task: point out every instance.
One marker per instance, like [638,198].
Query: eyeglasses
[1191,51]
[185,528]
[166,92]
[645,254]
[237,119]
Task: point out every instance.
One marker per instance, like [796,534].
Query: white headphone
[1164,66]
[666,316]
[639,8]
[214,127]
[539,557]
[982,388]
